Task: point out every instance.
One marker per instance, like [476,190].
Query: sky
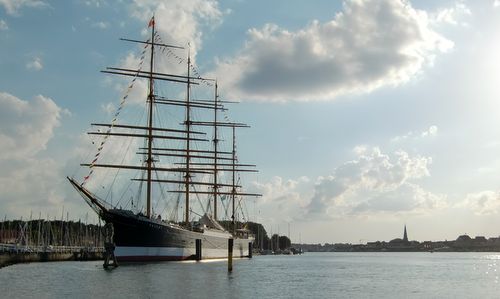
[365,115]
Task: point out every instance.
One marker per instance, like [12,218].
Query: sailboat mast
[150,123]
[188,137]
[233,193]
[216,141]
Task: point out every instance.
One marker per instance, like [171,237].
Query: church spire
[405,235]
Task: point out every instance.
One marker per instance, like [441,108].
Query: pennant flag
[117,113]
[151,22]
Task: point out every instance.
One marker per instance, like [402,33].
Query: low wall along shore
[10,257]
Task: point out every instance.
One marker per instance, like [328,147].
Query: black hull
[138,238]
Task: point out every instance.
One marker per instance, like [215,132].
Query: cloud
[108,108]
[29,184]
[453,15]
[35,64]
[482,203]
[368,45]
[283,196]
[26,127]
[27,180]
[432,131]
[496,3]
[189,16]
[100,25]
[408,198]
[3,25]
[279,189]
[95,3]
[137,95]
[121,151]
[13,6]
[374,183]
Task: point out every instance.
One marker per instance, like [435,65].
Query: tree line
[262,240]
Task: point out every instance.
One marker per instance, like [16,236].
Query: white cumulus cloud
[189,15]
[109,108]
[282,200]
[100,25]
[453,15]
[26,127]
[95,3]
[372,183]
[368,45]
[35,64]
[3,25]
[432,131]
[13,6]
[27,180]
[483,203]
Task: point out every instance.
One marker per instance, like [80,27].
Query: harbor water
[312,275]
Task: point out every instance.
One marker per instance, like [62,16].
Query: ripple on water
[312,275]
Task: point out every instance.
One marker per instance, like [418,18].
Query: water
[312,275]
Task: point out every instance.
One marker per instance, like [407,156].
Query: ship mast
[149,160]
[233,191]
[218,161]
[216,141]
[188,137]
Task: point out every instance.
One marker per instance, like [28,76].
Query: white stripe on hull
[174,253]
[122,251]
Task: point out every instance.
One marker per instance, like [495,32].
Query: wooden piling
[198,250]
[109,246]
[250,248]
[109,256]
[230,243]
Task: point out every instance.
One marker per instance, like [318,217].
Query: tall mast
[150,122]
[188,137]
[216,141]
[233,192]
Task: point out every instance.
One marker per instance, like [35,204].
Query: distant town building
[462,243]
[398,242]
[463,239]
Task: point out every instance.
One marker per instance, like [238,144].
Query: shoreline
[8,258]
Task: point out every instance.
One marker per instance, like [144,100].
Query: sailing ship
[194,169]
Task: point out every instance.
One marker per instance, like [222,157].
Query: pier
[13,254]
[49,240]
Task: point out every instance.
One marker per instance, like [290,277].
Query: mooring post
[198,249]
[250,248]
[109,247]
[230,243]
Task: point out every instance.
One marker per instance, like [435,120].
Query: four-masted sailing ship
[196,170]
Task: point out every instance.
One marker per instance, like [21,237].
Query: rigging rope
[115,117]
[181,60]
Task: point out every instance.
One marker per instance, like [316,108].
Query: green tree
[284,242]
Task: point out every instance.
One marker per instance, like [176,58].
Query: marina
[44,240]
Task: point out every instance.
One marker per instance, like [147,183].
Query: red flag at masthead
[151,22]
